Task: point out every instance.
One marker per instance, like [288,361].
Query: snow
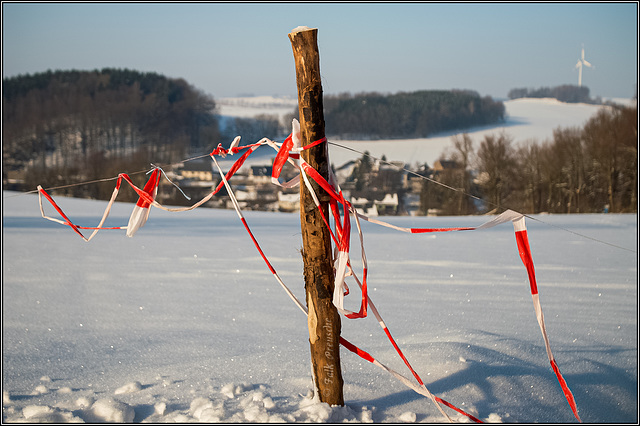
[185,323]
[527,119]
[300,29]
[252,106]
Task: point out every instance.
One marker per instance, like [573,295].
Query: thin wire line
[68,186]
[582,235]
[415,174]
[74,184]
[478,198]
[35,191]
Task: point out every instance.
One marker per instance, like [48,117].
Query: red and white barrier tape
[140,212]
[522,240]
[138,216]
[341,238]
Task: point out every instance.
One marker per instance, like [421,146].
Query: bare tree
[464,156]
[496,164]
[529,158]
[568,150]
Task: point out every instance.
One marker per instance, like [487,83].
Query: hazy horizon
[234,49]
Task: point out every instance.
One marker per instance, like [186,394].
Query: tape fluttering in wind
[140,212]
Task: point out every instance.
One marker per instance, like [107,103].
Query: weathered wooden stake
[324,319]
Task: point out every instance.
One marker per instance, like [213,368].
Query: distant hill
[65,126]
[526,119]
[564,93]
[371,116]
[407,114]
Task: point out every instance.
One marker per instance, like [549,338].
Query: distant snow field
[185,323]
[252,106]
[526,120]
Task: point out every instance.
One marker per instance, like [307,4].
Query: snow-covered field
[184,322]
[251,106]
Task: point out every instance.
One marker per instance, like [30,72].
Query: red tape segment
[565,389]
[524,250]
[522,241]
[282,157]
[140,212]
[67,221]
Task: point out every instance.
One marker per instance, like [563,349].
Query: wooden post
[324,319]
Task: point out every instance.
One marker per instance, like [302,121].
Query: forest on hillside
[405,115]
[64,127]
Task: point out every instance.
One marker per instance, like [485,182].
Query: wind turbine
[581,62]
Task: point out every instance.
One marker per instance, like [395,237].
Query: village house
[442,165]
[201,171]
[193,179]
[388,205]
[288,202]
[416,179]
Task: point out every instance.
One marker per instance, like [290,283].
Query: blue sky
[231,49]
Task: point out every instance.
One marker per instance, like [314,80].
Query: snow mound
[234,403]
[111,411]
[45,414]
[129,388]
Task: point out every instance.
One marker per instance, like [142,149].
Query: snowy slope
[526,119]
[251,106]
[184,322]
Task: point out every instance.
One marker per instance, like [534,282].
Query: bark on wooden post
[324,319]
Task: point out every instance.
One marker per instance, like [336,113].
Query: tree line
[407,114]
[564,93]
[580,170]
